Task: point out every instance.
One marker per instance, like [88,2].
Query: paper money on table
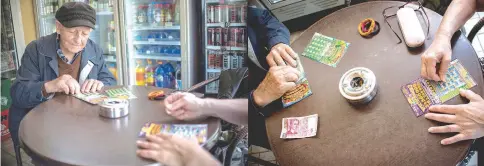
[299,127]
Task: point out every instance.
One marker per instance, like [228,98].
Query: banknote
[299,127]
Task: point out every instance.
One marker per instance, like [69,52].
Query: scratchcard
[299,127]
[326,50]
[422,93]
[93,98]
[300,92]
[199,131]
[121,93]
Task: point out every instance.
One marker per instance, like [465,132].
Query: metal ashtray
[114,108]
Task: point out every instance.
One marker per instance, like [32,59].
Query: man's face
[73,39]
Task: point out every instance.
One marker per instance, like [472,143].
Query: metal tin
[114,108]
[358,85]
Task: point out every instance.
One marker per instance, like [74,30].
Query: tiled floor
[8,155]
[478,44]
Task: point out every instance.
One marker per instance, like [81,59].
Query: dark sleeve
[104,75]
[265,111]
[26,91]
[274,30]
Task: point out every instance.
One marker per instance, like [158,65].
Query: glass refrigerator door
[9,62]
[153,42]
[225,37]
[104,33]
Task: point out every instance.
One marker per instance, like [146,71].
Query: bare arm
[232,110]
[458,12]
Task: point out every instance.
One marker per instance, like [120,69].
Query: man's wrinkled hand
[278,81]
[64,83]
[282,55]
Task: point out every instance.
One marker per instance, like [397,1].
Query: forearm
[458,12]
[231,110]
[27,94]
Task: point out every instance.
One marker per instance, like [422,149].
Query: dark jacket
[264,31]
[39,65]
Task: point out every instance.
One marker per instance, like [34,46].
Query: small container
[114,108]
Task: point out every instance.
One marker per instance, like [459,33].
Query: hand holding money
[299,127]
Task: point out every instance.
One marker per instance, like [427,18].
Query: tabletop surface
[68,130]
[384,132]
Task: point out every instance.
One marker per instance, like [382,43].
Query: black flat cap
[75,14]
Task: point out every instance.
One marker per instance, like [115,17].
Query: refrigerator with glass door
[160,42]
[225,37]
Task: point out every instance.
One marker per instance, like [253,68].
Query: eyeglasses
[420,7]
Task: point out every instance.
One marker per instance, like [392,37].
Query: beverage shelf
[104,13]
[223,24]
[213,70]
[227,48]
[158,57]
[225,1]
[139,28]
[171,43]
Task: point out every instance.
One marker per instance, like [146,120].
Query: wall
[28,20]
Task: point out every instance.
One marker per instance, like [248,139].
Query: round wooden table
[70,131]
[384,132]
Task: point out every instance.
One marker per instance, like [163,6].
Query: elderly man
[272,73]
[64,62]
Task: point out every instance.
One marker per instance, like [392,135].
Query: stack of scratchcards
[301,91]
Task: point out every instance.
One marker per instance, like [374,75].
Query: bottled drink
[157,15]
[177,13]
[159,75]
[112,69]
[178,77]
[140,74]
[168,15]
[111,38]
[163,14]
[150,12]
[149,75]
[142,14]
[169,75]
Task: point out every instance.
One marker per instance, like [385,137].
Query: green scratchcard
[326,50]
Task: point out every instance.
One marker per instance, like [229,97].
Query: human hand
[465,119]
[439,52]
[278,81]
[280,55]
[173,150]
[185,106]
[91,85]
[64,83]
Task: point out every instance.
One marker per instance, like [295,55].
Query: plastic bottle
[140,74]
[169,75]
[159,75]
[112,69]
[163,14]
[168,15]
[157,15]
[142,14]
[177,13]
[149,74]
[178,77]
[111,39]
[150,12]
